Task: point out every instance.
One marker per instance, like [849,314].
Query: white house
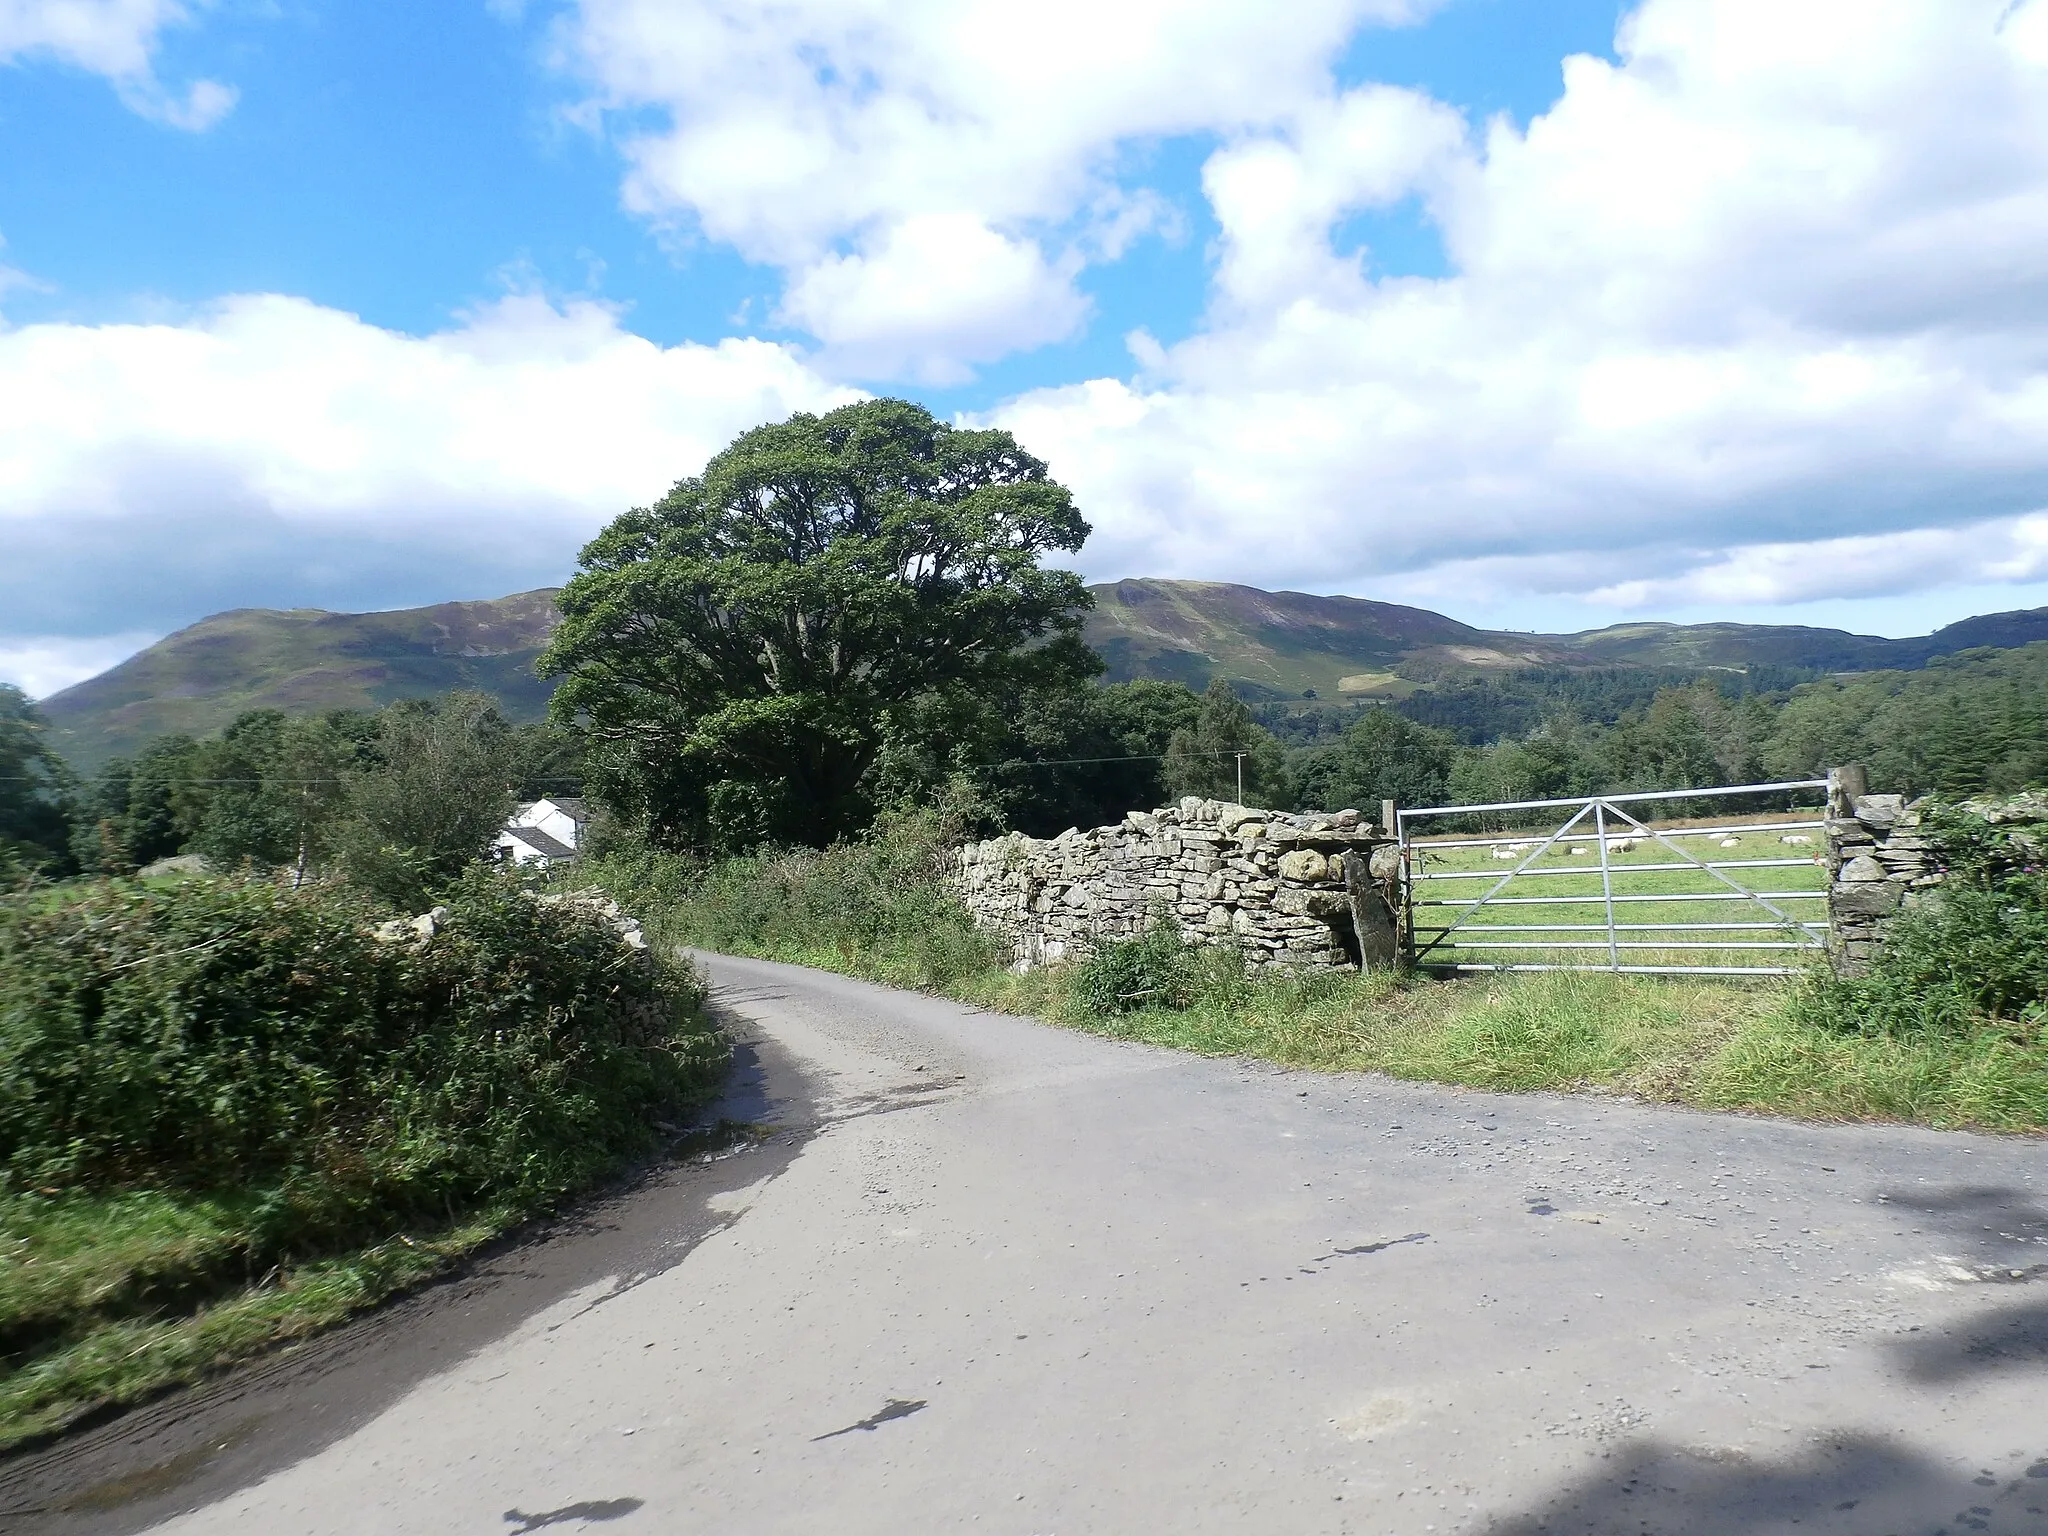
[544,832]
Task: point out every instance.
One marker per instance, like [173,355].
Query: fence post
[1851,935]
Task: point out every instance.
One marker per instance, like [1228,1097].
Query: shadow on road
[1993,1237]
[1855,1483]
[200,1444]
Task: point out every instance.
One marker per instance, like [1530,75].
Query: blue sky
[408,299]
[406,162]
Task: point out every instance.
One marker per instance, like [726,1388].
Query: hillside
[1269,644]
[302,660]
[1281,644]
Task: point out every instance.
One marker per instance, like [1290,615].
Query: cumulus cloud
[864,145]
[116,39]
[1774,277]
[272,452]
[931,296]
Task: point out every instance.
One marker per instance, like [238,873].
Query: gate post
[1373,918]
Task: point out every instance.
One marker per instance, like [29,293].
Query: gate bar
[1647,794]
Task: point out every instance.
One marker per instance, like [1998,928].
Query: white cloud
[43,665]
[821,135]
[2004,550]
[933,295]
[1778,276]
[116,39]
[272,452]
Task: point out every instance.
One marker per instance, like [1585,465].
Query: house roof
[570,805]
[540,842]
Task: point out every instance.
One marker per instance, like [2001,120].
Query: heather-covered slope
[1284,643]
[200,678]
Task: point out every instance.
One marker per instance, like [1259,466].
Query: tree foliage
[34,788]
[1383,756]
[435,791]
[1202,757]
[742,652]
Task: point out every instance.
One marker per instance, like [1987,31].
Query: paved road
[1001,1278]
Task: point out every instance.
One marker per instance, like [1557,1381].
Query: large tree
[742,652]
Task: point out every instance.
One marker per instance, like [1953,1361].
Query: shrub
[1974,956]
[233,1033]
[1157,969]
[880,905]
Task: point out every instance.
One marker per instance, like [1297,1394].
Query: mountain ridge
[1273,645]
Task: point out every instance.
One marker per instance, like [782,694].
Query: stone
[1274,889]
[1304,864]
[1879,898]
[1384,862]
[1862,868]
[1879,812]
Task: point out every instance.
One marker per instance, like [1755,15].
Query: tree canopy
[741,653]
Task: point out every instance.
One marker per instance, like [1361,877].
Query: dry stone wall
[1879,863]
[1294,892]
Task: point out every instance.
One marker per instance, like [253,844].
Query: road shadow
[1996,1238]
[1852,1484]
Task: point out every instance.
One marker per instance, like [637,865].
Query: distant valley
[1271,645]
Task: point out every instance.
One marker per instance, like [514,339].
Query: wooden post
[1389,822]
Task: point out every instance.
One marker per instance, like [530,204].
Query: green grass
[111,1299]
[1705,1043]
[1709,1043]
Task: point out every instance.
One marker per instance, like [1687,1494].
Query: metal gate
[1663,907]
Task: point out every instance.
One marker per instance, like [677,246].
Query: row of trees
[848,612]
[399,799]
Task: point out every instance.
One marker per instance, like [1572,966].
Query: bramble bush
[232,1032]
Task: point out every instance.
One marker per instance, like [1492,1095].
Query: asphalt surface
[993,1276]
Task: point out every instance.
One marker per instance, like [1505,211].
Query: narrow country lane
[994,1276]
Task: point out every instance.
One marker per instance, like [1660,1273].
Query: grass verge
[880,910]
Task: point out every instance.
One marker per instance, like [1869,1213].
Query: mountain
[1281,644]
[1268,644]
[302,660]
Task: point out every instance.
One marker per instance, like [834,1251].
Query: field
[1711,895]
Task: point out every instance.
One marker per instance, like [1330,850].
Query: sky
[1547,314]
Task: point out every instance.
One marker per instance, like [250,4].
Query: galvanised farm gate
[1628,882]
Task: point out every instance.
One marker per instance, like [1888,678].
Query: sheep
[1795,837]
[1731,842]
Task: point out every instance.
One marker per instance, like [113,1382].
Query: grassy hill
[302,660]
[1269,644]
[1281,644]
